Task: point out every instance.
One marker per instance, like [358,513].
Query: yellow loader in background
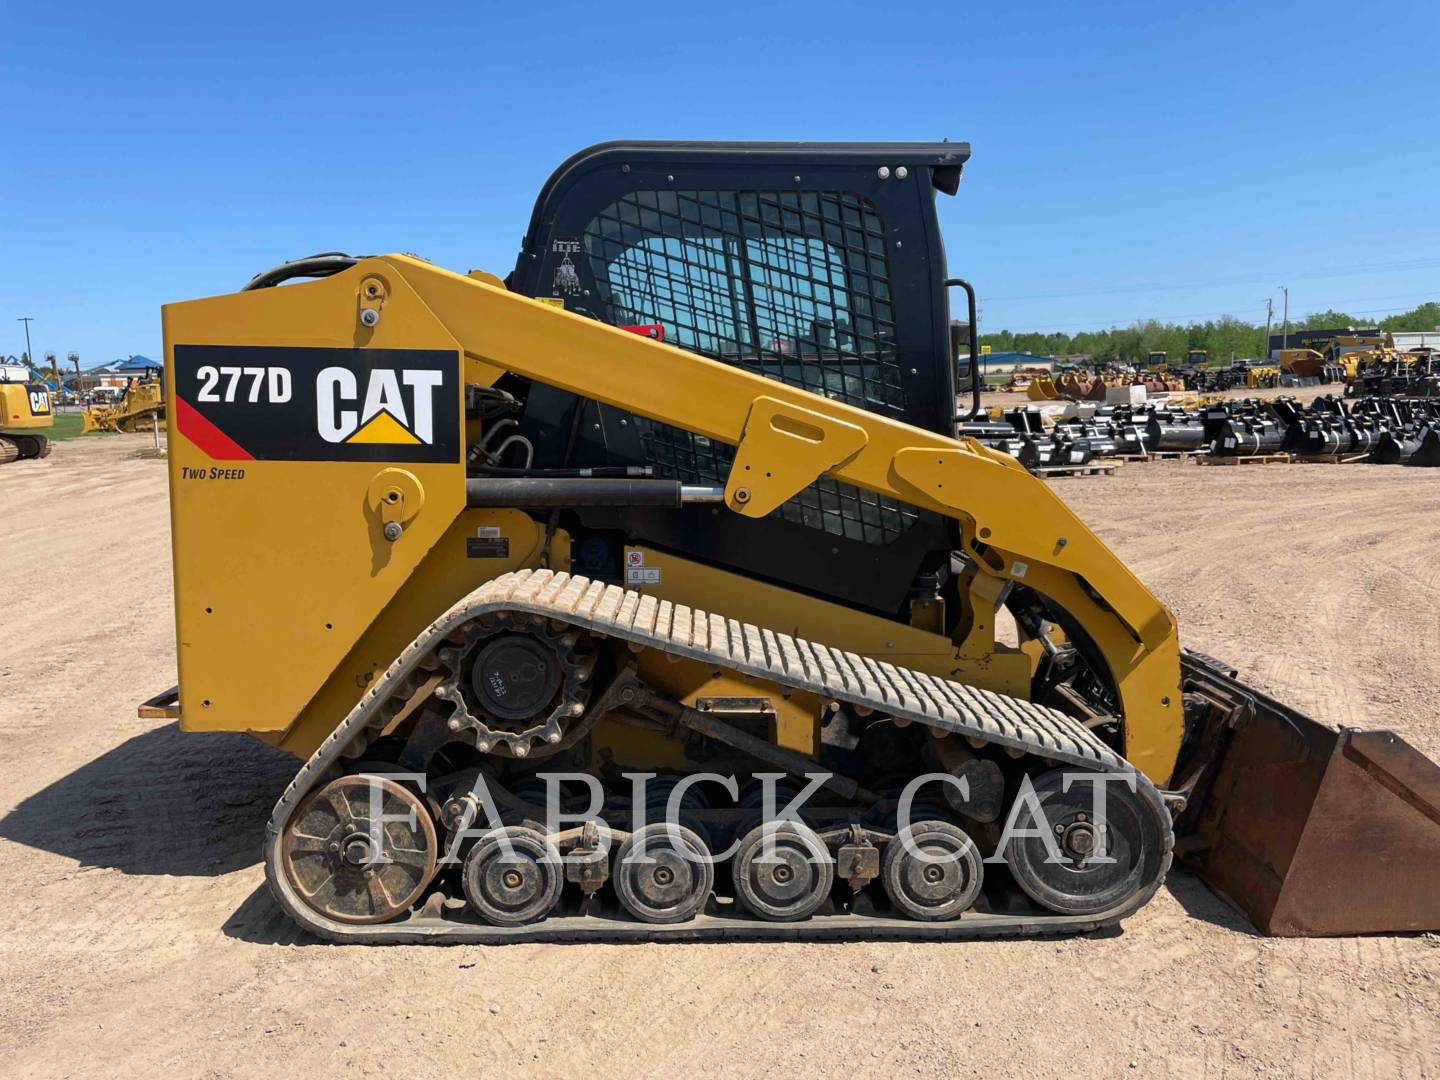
[141,407]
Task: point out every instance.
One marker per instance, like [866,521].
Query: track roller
[782,871]
[931,871]
[1102,863]
[515,886]
[663,874]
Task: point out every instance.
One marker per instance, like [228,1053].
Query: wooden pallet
[1158,455]
[1329,459]
[1093,469]
[1244,459]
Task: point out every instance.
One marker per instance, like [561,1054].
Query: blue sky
[1129,160]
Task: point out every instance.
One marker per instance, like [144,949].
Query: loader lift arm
[1014,526]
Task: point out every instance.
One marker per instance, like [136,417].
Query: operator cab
[820,265]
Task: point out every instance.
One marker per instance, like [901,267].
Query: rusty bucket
[1310,830]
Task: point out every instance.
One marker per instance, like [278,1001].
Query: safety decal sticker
[636,572]
[566,281]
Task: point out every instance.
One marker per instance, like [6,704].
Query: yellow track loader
[26,411]
[649,594]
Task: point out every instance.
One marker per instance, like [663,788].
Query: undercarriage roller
[1090,861]
[931,871]
[361,850]
[782,871]
[663,874]
[513,876]
[752,793]
[657,806]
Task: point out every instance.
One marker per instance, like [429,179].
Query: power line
[1390,267]
[1232,312]
[1236,313]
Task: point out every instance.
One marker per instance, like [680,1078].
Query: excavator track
[23,447]
[1021,727]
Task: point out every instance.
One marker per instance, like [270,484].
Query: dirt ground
[139,939]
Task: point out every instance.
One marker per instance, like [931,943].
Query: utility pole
[29,352]
[1285,330]
[1269,314]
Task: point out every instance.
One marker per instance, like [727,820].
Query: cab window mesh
[790,285]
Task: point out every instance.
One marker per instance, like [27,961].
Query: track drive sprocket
[515,684]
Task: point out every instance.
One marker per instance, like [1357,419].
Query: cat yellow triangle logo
[383,428]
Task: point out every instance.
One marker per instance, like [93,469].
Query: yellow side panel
[281,565]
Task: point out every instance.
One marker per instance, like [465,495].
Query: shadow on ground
[259,920]
[1200,903]
[160,803]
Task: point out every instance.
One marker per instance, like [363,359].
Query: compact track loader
[26,412]
[649,593]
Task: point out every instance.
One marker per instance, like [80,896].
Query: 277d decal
[242,402]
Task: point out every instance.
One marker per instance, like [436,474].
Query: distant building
[116,373]
[1405,340]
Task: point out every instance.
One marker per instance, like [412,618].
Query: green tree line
[1224,339]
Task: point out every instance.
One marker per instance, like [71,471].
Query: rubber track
[612,611]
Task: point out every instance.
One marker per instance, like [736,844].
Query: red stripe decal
[205,435]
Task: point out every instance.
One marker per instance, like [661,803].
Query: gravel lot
[140,940]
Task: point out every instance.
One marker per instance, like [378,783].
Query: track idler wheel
[513,876]
[782,871]
[360,850]
[1101,862]
[663,874]
[931,871]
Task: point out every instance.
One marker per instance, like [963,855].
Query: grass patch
[67,426]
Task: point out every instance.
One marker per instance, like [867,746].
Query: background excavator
[26,413]
[683,494]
